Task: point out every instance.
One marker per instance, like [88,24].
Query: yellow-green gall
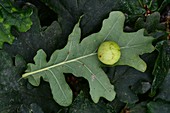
[109,52]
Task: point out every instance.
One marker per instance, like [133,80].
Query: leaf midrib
[56,65]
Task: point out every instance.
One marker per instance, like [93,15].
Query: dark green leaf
[164,89]
[141,87]
[133,10]
[116,105]
[158,107]
[10,16]
[83,105]
[34,108]
[152,23]
[162,65]
[139,108]
[16,93]
[151,4]
[132,7]
[163,3]
[125,80]
[29,42]
[94,11]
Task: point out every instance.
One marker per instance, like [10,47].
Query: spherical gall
[109,52]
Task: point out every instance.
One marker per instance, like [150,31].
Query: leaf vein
[92,74]
[111,29]
[68,54]
[58,83]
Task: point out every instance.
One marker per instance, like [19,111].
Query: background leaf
[162,65]
[125,79]
[11,16]
[28,43]
[164,91]
[34,108]
[139,108]
[152,23]
[83,105]
[18,96]
[158,107]
[68,13]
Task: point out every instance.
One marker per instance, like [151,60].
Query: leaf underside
[81,60]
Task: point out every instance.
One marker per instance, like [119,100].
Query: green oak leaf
[11,16]
[81,60]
